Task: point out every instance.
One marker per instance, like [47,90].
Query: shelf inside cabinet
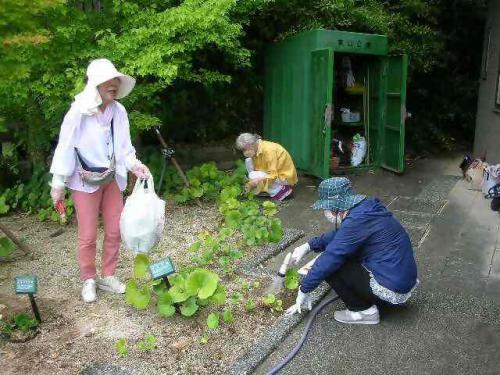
[350,124]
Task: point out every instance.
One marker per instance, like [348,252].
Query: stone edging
[275,334]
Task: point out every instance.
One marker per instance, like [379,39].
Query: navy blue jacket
[371,235]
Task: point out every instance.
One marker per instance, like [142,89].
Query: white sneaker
[368,316]
[88,291]
[111,284]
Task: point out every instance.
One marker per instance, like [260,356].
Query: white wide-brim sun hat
[100,71]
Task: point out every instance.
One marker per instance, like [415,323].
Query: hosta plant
[189,290]
[255,222]
[270,301]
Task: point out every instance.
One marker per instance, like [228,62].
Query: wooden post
[21,245]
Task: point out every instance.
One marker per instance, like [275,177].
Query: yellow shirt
[273,159]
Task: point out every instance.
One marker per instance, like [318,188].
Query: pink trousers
[108,200]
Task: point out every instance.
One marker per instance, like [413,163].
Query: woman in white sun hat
[92,157]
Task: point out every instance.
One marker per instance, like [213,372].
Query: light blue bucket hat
[336,194]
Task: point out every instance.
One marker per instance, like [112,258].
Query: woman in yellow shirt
[270,167]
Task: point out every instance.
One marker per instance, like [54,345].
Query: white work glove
[302,299]
[140,171]
[57,194]
[299,252]
[57,188]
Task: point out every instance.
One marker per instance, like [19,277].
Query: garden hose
[298,346]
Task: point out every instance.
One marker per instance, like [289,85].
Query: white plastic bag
[142,218]
[358,150]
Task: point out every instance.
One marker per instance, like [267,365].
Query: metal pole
[167,283]
[175,163]
[34,307]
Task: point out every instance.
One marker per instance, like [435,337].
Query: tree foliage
[199,63]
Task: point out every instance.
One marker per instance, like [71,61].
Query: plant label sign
[162,268]
[26,284]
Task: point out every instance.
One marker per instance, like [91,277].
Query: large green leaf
[233,219]
[176,279]
[276,231]
[178,293]
[6,247]
[270,208]
[166,305]
[189,307]
[203,302]
[141,265]
[201,283]
[230,192]
[139,297]
[160,289]
[220,295]
[261,234]
[196,192]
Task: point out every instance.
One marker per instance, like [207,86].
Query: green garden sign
[162,268]
[29,285]
[26,284]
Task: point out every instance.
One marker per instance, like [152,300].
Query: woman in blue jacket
[368,259]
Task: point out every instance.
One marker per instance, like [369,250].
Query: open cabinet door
[321,111]
[393,149]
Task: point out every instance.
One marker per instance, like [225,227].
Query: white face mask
[336,220]
[332,218]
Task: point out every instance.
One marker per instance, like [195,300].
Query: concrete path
[452,323]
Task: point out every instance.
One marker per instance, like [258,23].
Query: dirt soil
[74,335]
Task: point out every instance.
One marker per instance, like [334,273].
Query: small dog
[473,171]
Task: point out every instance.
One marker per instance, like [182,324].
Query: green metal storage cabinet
[301,106]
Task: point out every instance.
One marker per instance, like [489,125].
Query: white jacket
[85,133]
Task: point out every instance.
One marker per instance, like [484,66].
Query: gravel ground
[75,335]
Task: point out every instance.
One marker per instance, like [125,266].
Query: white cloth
[274,188]
[89,136]
[100,71]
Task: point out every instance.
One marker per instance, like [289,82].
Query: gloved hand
[302,299]
[299,252]
[140,171]
[57,194]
